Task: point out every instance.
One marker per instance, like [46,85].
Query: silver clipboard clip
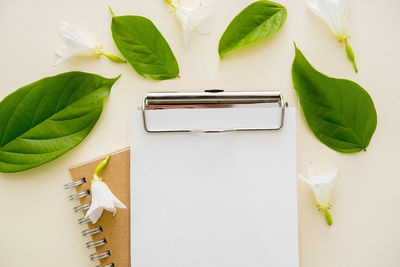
[212,99]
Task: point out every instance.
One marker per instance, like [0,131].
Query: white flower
[75,44]
[322,185]
[102,197]
[192,19]
[334,13]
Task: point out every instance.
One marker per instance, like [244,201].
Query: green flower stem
[102,165]
[112,13]
[169,2]
[328,217]
[113,58]
[350,54]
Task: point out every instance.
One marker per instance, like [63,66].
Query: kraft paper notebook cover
[115,230]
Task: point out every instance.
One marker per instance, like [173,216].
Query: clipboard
[213,180]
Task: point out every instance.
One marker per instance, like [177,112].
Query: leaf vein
[12,114]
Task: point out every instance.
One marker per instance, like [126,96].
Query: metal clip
[212,99]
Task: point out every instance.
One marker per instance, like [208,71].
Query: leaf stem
[328,217]
[350,54]
[112,13]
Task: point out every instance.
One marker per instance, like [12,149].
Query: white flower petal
[311,172]
[334,13]
[112,209]
[322,185]
[119,204]
[94,214]
[193,19]
[63,54]
[74,44]
[73,37]
[183,14]
[102,199]
[203,29]
[114,200]
[308,181]
[199,16]
[95,210]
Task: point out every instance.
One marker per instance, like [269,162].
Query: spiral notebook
[110,235]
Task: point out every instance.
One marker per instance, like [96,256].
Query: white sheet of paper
[213,200]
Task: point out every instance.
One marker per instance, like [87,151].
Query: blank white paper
[213,200]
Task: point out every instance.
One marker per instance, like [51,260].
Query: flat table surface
[38,227]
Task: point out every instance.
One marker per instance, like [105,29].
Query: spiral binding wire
[79,195]
[93,231]
[74,184]
[82,207]
[95,244]
[97,257]
[84,220]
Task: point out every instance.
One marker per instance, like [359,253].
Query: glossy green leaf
[42,120]
[259,20]
[140,42]
[340,113]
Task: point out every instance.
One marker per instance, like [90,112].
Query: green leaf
[42,120]
[258,21]
[140,42]
[340,113]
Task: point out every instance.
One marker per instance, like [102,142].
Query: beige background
[37,227]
